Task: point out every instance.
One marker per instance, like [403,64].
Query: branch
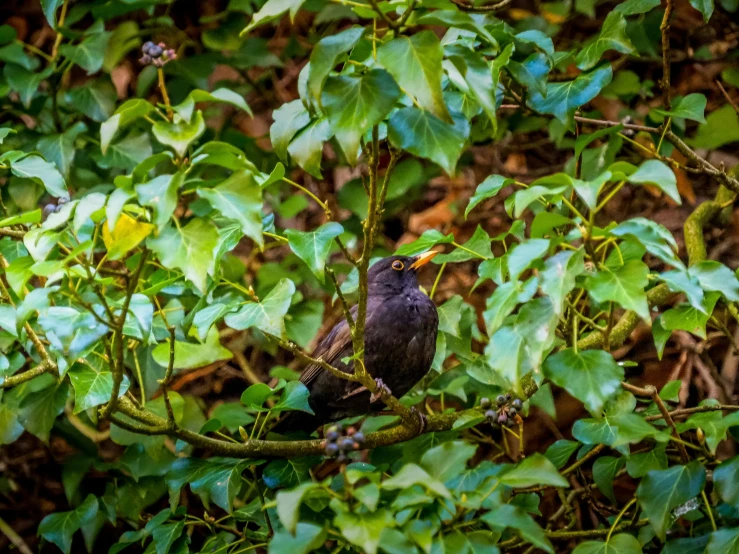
[491,8]
[665,30]
[46,366]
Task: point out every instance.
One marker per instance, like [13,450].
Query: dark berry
[146,46]
[332,436]
[517,404]
[155,50]
[485,403]
[359,437]
[507,397]
[500,400]
[346,444]
[512,412]
[332,449]
[48,210]
[491,415]
[145,59]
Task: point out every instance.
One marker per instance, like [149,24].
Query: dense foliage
[149,229]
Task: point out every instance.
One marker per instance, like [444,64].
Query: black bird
[399,346]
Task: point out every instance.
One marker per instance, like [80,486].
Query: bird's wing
[328,350]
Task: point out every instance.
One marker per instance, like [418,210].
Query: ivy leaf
[186,108]
[239,198]
[688,318]
[39,410]
[532,72]
[165,535]
[636,7]
[450,314]
[325,56]
[559,452]
[714,276]
[726,481]
[724,540]
[412,474]
[559,276]
[288,473]
[703,6]
[533,470]
[721,127]
[657,173]
[71,331]
[692,106]
[40,171]
[92,388]
[189,249]
[562,99]
[314,247]
[50,8]
[423,134]
[267,315]
[476,248]
[415,63]
[271,10]
[189,355]
[288,504]
[681,281]
[714,424]
[605,469]
[364,530]
[522,523]
[289,118]
[642,463]
[658,241]
[59,527]
[354,104]
[425,242]
[491,186]
[88,54]
[179,135]
[524,255]
[217,478]
[625,286]
[612,37]
[307,148]
[504,300]
[448,460]
[161,195]
[307,538]
[662,491]
[591,376]
[294,397]
[126,235]
[127,113]
[617,544]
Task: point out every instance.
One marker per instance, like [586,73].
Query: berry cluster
[53,208]
[156,54]
[507,410]
[339,442]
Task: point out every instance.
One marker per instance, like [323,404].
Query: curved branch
[481,9]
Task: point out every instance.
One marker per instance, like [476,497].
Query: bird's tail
[296,421]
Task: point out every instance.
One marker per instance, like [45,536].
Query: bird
[399,347]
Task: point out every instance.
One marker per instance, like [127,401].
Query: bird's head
[395,274]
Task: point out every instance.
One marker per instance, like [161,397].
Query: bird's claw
[421,419]
[381,391]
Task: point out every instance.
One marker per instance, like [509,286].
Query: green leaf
[688,318]
[617,544]
[478,79]
[267,315]
[271,10]
[605,469]
[657,173]
[591,376]
[724,540]
[364,530]
[354,104]
[307,538]
[721,128]
[625,286]
[714,424]
[289,118]
[50,8]
[642,463]
[726,481]
[25,82]
[703,6]
[92,388]
[559,452]
[165,535]
[294,397]
[423,134]
[692,106]
[40,171]
[314,247]
[425,242]
[522,523]
[533,470]
[476,248]
[714,276]
[127,113]
[450,314]
[415,63]
[71,331]
[504,300]
[559,276]
[88,54]
[161,195]
[186,108]
[307,148]
[491,186]
[524,255]
[239,198]
[179,135]
[191,355]
[96,99]
[662,491]
[562,99]
[325,56]
[612,37]
[636,7]
[59,148]
[59,527]
[658,241]
[532,72]
[216,478]
[448,460]
[191,249]
[412,474]
[288,504]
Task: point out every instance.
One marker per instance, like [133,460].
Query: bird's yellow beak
[423,259]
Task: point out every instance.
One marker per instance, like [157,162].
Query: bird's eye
[398,265]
